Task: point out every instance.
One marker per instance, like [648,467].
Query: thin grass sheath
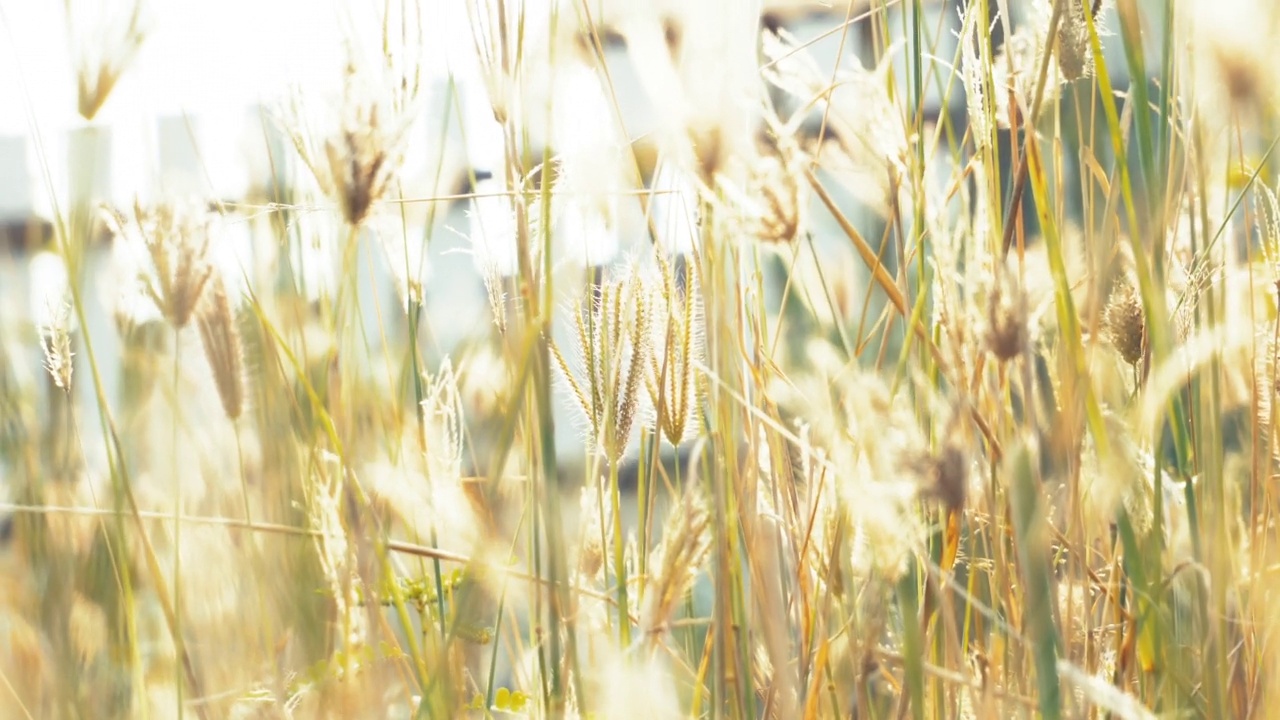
[717,360]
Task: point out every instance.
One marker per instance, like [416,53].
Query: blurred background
[199,111]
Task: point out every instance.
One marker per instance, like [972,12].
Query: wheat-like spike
[442,411]
[1271,215]
[689,393]
[220,337]
[612,339]
[578,394]
[686,544]
[671,381]
[635,371]
[592,314]
[55,341]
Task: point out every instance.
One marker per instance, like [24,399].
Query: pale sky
[215,62]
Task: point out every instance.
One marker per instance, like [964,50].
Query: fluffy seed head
[1016,69]
[1007,334]
[946,475]
[1125,322]
[1075,54]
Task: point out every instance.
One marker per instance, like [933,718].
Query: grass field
[882,360]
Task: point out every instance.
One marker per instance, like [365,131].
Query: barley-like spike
[686,544]
[613,346]
[581,397]
[220,337]
[55,341]
[688,327]
[635,369]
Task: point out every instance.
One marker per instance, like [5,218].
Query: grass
[938,384]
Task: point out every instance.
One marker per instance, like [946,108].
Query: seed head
[105,37]
[946,475]
[1016,70]
[220,337]
[442,416]
[1007,334]
[1125,322]
[773,185]
[673,384]
[176,238]
[686,544]
[55,340]
[612,335]
[1075,55]
[597,525]
[356,160]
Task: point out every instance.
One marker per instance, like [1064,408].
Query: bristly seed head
[686,544]
[673,384]
[612,334]
[176,238]
[105,37]
[55,340]
[220,337]
[1125,322]
[773,184]
[356,161]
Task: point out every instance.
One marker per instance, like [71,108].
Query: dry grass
[998,439]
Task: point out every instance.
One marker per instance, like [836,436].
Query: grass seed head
[176,239]
[220,337]
[613,345]
[54,320]
[442,415]
[1125,322]
[1075,54]
[774,185]
[1007,332]
[596,514]
[685,546]
[1016,68]
[671,379]
[946,475]
[105,37]
[356,159]
[1266,390]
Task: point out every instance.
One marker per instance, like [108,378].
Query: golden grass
[995,440]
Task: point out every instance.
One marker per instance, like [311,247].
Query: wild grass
[939,383]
